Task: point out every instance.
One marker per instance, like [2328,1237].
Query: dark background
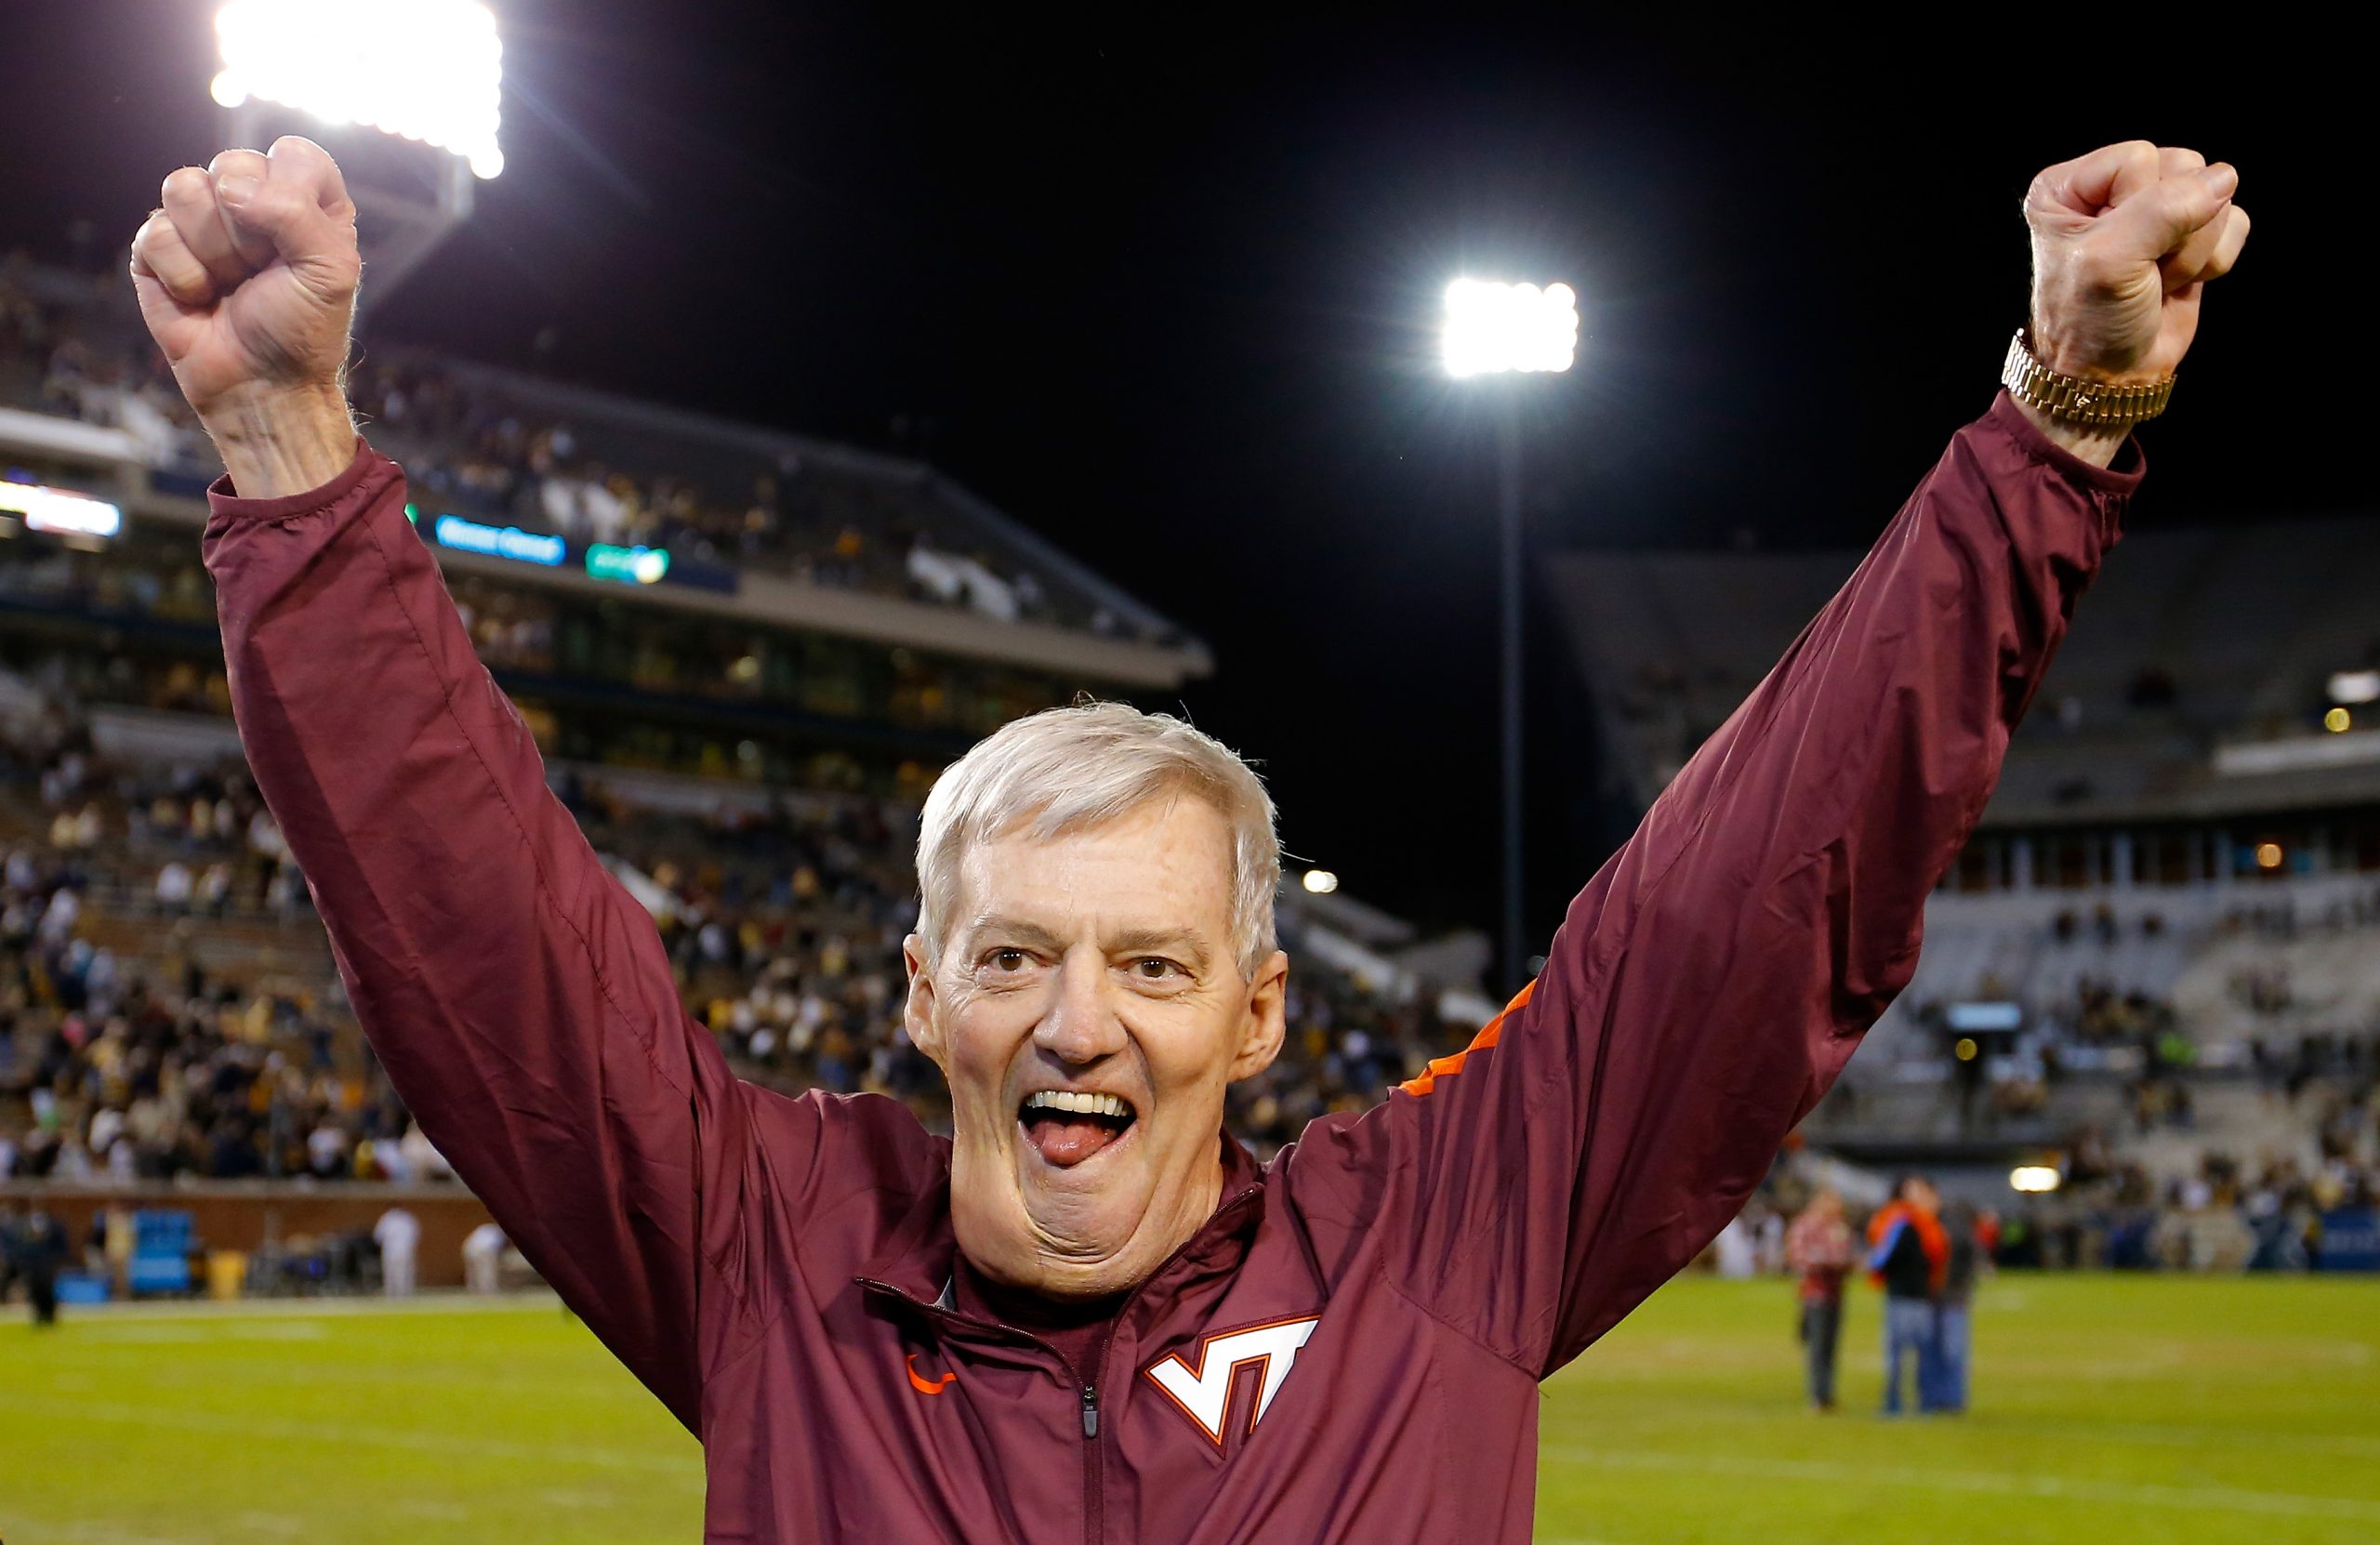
[1166,291]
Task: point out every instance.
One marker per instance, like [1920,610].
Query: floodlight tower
[1495,329]
[374,73]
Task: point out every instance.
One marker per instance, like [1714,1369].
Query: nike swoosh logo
[927,1386]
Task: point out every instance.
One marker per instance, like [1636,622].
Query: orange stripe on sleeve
[1447,1067]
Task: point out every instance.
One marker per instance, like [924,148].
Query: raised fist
[247,275]
[2123,239]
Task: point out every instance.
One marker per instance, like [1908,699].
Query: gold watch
[2075,400]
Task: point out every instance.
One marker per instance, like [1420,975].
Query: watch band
[2075,400]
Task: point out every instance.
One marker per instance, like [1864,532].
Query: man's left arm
[1713,979]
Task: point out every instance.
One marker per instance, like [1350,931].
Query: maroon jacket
[1384,1296]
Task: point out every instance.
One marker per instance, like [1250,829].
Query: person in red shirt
[1089,1312]
[1819,1248]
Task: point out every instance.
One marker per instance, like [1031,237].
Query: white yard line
[686,1466]
[2349,1445]
[36,1529]
[2187,1437]
[1998,1483]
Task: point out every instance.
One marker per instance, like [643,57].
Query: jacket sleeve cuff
[2116,480]
[224,502]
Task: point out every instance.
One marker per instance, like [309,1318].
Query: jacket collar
[917,1261]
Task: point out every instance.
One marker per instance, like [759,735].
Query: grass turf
[2152,1409]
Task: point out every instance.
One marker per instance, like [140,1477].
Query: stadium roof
[1097,629]
[2191,686]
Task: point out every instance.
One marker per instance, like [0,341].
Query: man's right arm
[520,999]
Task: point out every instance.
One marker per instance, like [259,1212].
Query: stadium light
[1320,882]
[2034,1178]
[1491,328]
[424,69]
[60,511]
[1494,329]
[2350,686]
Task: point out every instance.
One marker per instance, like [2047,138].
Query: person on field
[1089,1312]
[483,1259]
[43,1251]
[1964,1257]
[398,1234]
[1907,1257]
[11,1229]
[1820,1252]
[1736,1253]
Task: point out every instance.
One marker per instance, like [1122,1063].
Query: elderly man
[1088,1313]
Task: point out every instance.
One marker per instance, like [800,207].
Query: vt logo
[1205,1392]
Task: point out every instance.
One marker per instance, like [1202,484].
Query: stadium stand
[2193,1030]
[172,1010]
[552,458]
[2157,965]
[2192,686]
[652,588]
[745,740]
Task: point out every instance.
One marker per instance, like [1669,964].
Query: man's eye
[1006,959]
[1155,968]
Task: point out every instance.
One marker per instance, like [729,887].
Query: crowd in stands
[74,349]
[124,1054]
[167,1009]
[134,1044]
[2097,1024]
[2269,1213]
[51,363]
[2228,1214]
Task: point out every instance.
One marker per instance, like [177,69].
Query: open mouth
[1066,1127]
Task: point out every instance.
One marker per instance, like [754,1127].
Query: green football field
[2106,1409]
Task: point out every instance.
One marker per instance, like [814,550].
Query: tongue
[1064,1140]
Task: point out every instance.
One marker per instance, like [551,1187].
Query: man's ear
[917,1013]
[1266,1021]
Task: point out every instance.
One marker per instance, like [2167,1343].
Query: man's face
[1920,1196]
[1088,1012]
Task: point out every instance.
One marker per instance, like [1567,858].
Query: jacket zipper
[1094,1488]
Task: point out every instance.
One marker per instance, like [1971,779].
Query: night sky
[1166,293]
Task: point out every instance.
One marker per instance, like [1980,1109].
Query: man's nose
[1081,1025]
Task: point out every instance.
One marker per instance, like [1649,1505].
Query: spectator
[174,887]
[1737,1252]
[1907,1258]
[483,1258]
[399,1235]
[1819,1248]
[1954,1309]
[11,1230]
[42,1252]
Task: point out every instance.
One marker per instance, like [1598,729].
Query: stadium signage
[629,566]
[522,546]
[59,511]
[1986,1016]
[2351,1240]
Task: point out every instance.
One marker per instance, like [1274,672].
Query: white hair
[1067,769]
